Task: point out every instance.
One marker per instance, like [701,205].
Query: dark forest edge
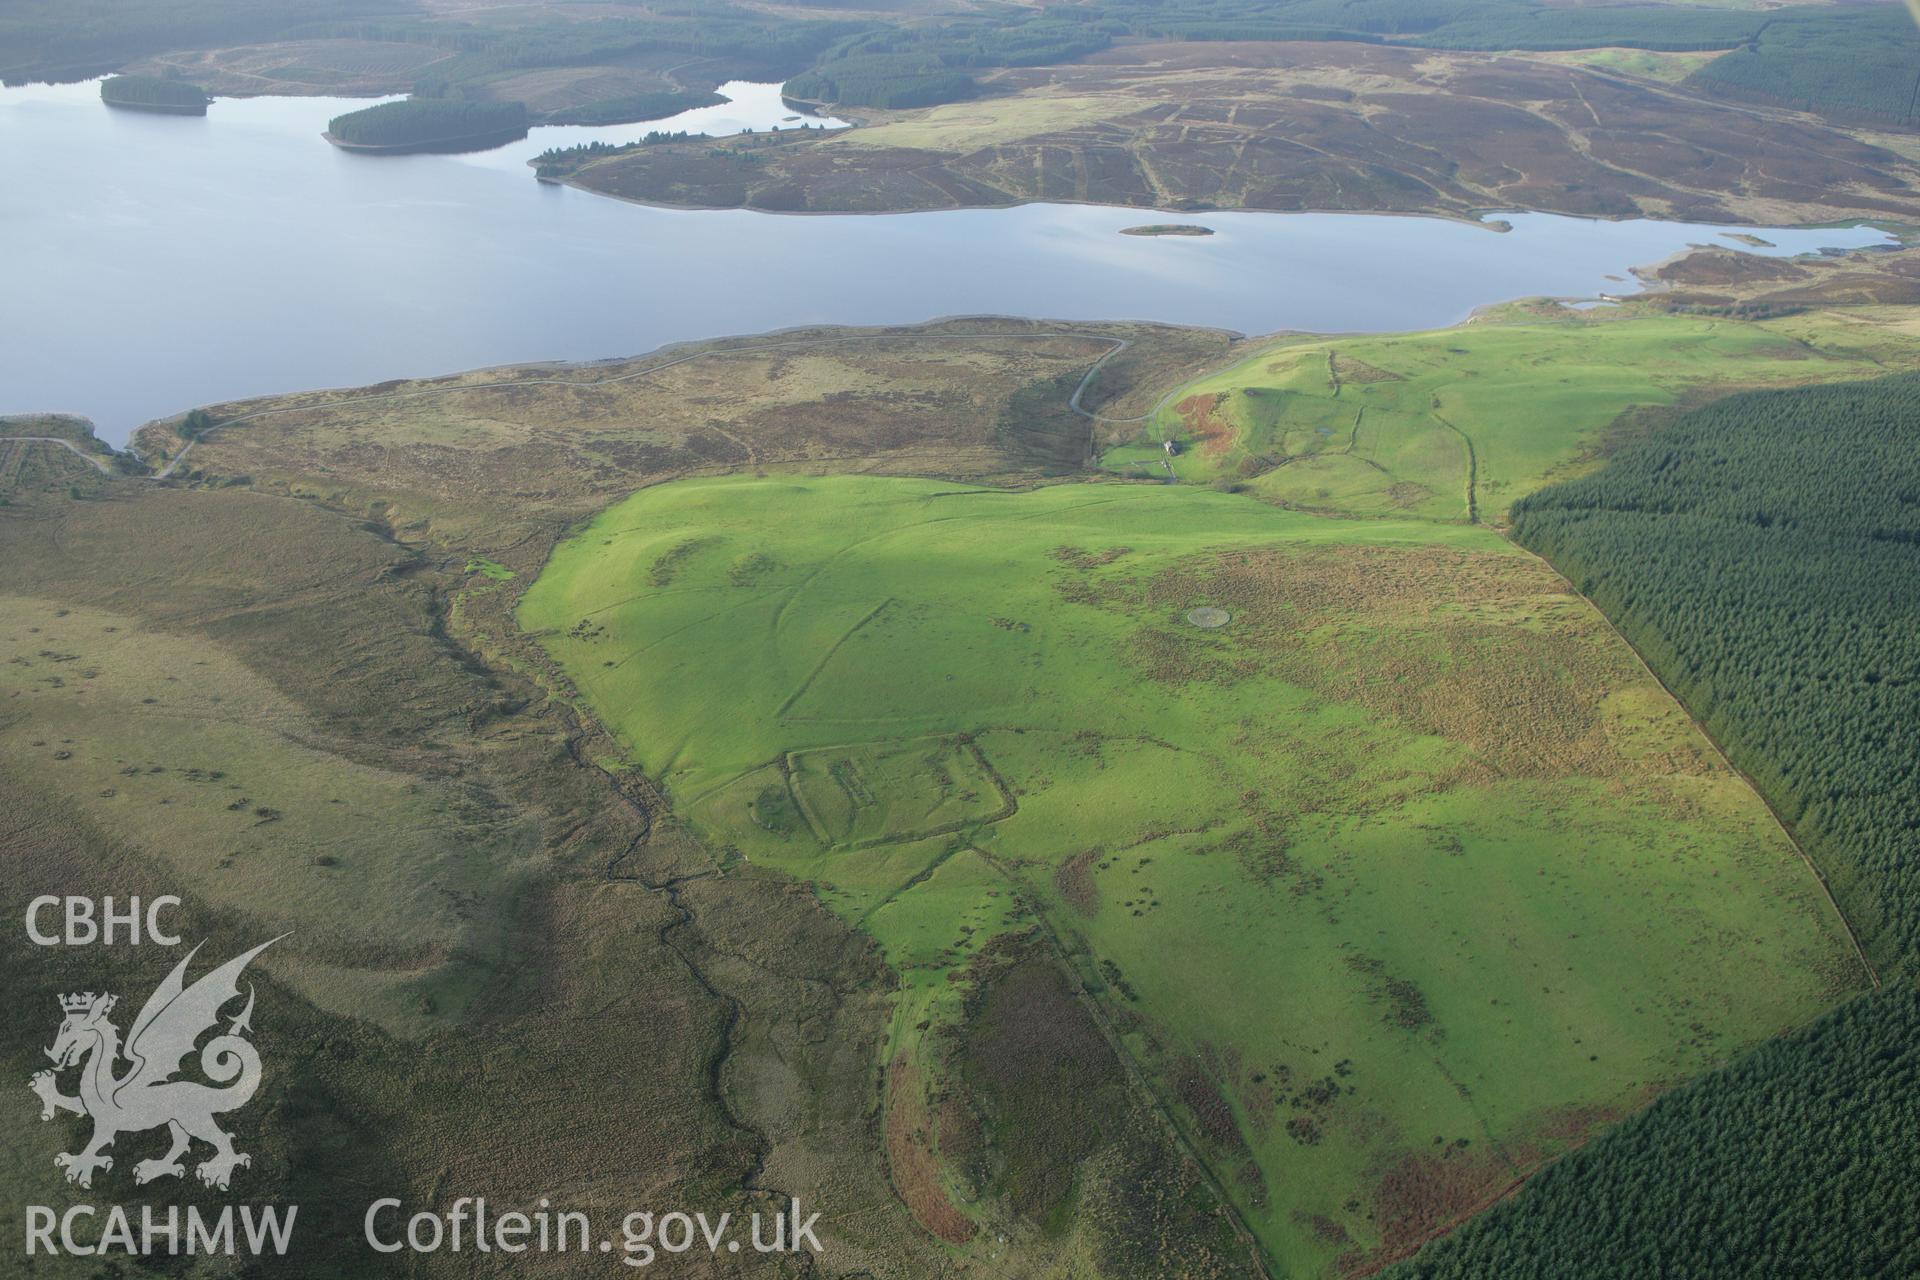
[79,39]
[1854,62]
[423,124]
[634,107]
[1759,553]
[154,93]
[1800,1154]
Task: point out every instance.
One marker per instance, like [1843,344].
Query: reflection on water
[158,262]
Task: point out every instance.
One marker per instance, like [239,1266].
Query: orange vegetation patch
[1426,1195]
[1076,884]
[1423,1196]
[910,1159]
[1487,650]
[1201,419]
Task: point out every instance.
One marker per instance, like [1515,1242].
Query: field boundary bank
[1115,347]
[1138,1079]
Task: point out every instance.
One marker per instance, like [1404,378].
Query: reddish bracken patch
[910,1159]
[1200,418]
[1076,884]
[1194,1085]
[1422,1196]
[1324,1229]
[1577,1124]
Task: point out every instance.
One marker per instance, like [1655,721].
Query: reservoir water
[152,262]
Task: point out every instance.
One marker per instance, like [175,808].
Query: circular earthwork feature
[1208,617]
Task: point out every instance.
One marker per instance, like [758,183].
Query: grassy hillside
[1800,1154]
[1410,775]
[1312,863]
[1459,423]
[1761,553]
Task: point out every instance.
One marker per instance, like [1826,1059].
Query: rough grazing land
[1457,424]
[1392,888]
[891,871]
[1304,126]
[247,701]
[505,457]
[772,1048]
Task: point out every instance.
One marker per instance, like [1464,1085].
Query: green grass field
[1413,423]
[1395,885]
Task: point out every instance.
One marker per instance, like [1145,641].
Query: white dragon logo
[146,1095]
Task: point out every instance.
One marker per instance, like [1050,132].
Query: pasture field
[1457,424]
[1393,887]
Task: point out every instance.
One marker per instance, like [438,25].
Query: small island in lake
[1167,229]
[154,93]
[429,124]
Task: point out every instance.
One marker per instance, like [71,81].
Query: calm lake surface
[153,263]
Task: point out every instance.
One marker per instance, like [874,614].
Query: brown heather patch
[1406,493]
[910,1159]
[962,1141]
[1314,585]
[1076,884]
[1422,1196]
[1042,1080]
[1081,558]
[1264,852]
[1406,1003]
[1347,369]
[1484,650]
[1324,1229]
[1208,1106]
[1577,1124]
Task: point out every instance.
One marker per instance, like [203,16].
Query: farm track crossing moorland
[91,459]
